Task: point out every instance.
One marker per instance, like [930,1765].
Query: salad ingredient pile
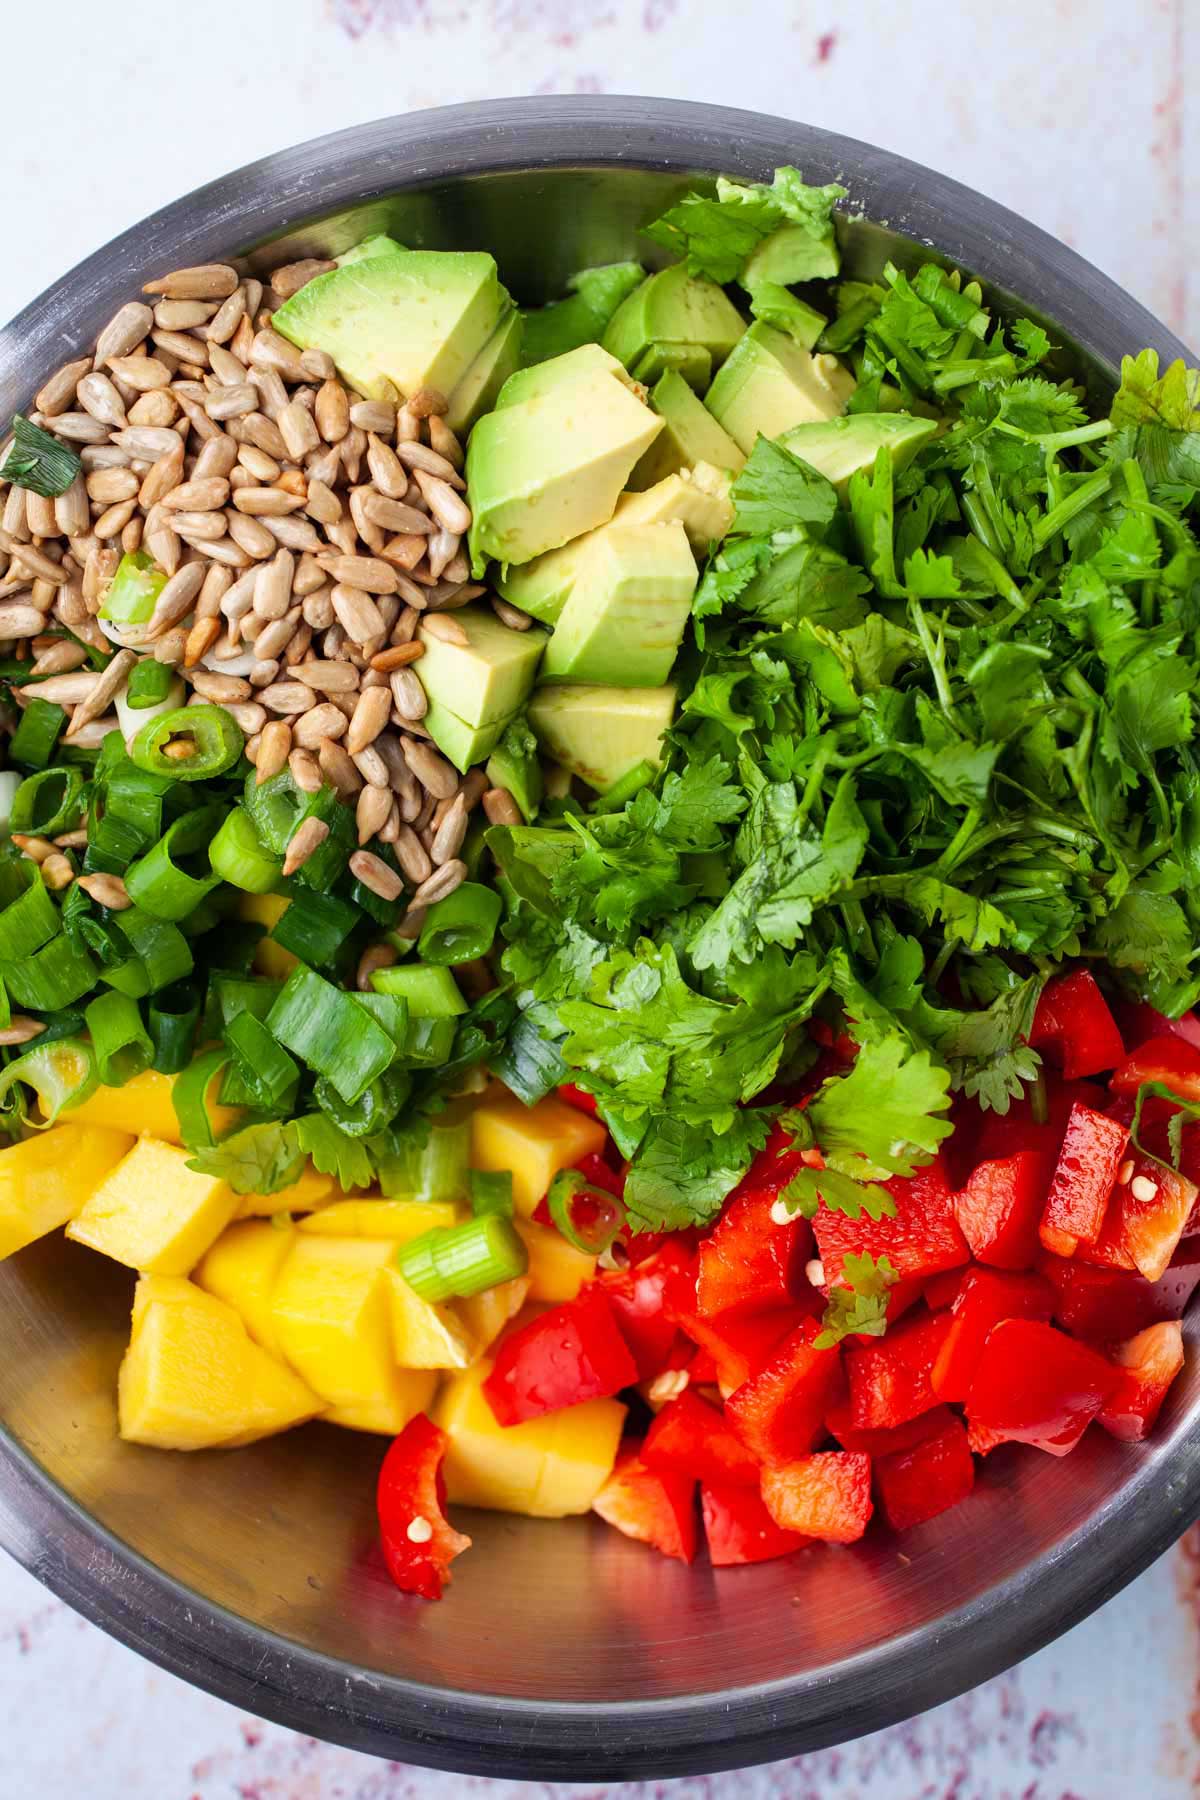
[609,892]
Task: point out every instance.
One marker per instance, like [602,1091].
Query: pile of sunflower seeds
[306,533]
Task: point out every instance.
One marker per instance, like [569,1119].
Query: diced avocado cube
[792,253]
[837,448]
[407,320]
[369,249]
[691,361]
[778,306]
[488,677]
[675,308]
[689,435]
[477,390]
[551,460]
[627,610]
[600,733]
[514,765]
[462,744]
[581,318]
[770,384]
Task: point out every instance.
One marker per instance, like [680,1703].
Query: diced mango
[242,1268]
[145,1108]
[333,1317]
[47,1179]
[397,1220]
[270,958]
[425,1336]
[557,1270]
[535,1142]
[154,1213]
[547,1467]
[485,1315]
[312,1190]
[192,1379]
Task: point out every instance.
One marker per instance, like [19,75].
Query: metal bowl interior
[564,1650]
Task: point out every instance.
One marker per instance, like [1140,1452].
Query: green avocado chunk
[477,390]
[770,384]
[486,679]
[792,252]
[686,319]
[369,249]
[583,316]
[837,448]
[460,742]
[399,321]
[627,609]
[514,765]
[550,461]
[600,733]
[690,435]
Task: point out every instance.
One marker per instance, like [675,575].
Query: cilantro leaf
[258,1159]
[681,1175]
[776,490]
[884,1117]
[333,1152]
[810,1188]
[858,1303]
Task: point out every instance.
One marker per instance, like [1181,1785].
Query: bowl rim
[111,1584]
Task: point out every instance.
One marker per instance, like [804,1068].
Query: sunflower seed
[200,640]
[500,807]
[205,495]
[105,486]
[205,281]
[220,689]
[251,535]
[294,534]
[60,690]
[424,461]
[318,607]
[147,443]
[338,769]
[293,276]
[266,502]
[433,772]
[374,416]
[72,514]
[274,748]
[79,428]
[171,646]
[307,838]
[375,874]
[106,890]
[443,881]
[412,855]
[36,563]
[227,317]
[356,611]
[59,658]
[408,695]
[286,696]
[397,656]
[331,410]
[233,402]
[127,328]
[249,715]
[367,573]
[273,353]
[298,430]
[443,440]
[451,513]
[371,812]
[394,515]
[373,958]
[321,503]
[274,638]
[107,684]
[512,616]
[448,838]
[98,396]
[327,677]
[449,630]
[324,721]
[305,771]
[176,599]
[57,394]
[165,473]
[273,590]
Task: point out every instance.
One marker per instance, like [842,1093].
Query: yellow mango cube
[548,1467]
[333,1318]
[242,1268]
[485,1315]
[534,1142]
[47,1179]
[557,1270]
[144,1107]
[425,1336]
[396,1220]
[312,1190]
[192,1378]
[270,958]
[154,1213]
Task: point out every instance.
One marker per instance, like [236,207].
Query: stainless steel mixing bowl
[563,1650]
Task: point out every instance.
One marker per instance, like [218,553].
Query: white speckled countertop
[1073,112]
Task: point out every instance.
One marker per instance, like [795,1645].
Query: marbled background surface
[1074,112]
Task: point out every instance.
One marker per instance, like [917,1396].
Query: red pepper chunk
[824,1496]
[1033,1385]
[1138,1021]
[572,1353]
[1145,1220]
[1112,1303]
[986,1298]
[748,1263]
[638,1296]
[1169,1059]
[739,1344]
[891,1377]
[921,1240]
[890,1441]
[656,1506]
[1074,1024]
[779,1414]
[999,1208]
[419,1544]
[1092,1152]
[739,1528]
[1147,1365]
[690,1437]
[578,1097]
[917,1484]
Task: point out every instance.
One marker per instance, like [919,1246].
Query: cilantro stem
[1057,440]
[1080,498]
[935,655]
[956,849]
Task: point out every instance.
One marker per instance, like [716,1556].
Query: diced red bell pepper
[991,1136]
[1138,1021]
[577,1096]
[419,1543]
[918,1484]
[943,1290]
[739,1528]
[888,1442]
[702,1369]
[1034,1385]
[1146,1218]
[772,1168]
[890,1377]
[999,1209]
[1075,1027]
[656,1506]
[1107,1303]
[921,1240]
[572,1353]
[1093,1149]
[748,1263]
[987,1297]
[690,1437]
[638,1296]
[779,1414]
[1169,1059]
[738,1344]
[823,1496]
[1147,1365]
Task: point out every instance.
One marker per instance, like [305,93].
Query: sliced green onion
[436,1170]
[462,926]
[216,734]
[160,954]
[278,809]
[62,1074]
[149,683]
[38,462]
[159,882]
[240,939]
[132,594]
[28,916]
[137,797]
[431,993]
[275,807]
[587,1217]
[616,797]
[207,914]
[374,1109]
[54,976]
[171,1020]
[266,1068]
[529,1065]
[389,1011]
[238,858]
[428,1043]
[34,739]
[231,993]
[120,1040]
[315,926]
[326,1029]
[48,802]
[112,845]
[455,1261]
[491,1192]
[191,1096]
